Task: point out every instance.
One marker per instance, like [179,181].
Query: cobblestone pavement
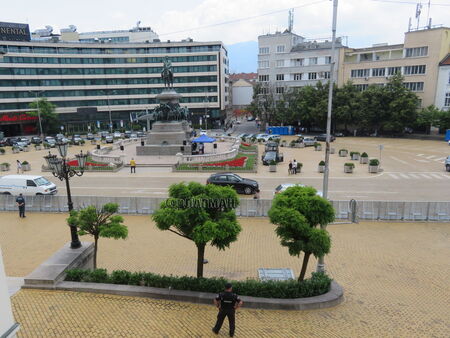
[395,277]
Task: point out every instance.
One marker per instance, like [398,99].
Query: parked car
[127,133]
[309,141]
[241,185]
[447,163]
[26,185]
[90,136]
[36,140]
[21,145]
[25,140]
[103,134]
[243,136]
[59,136]
[269,157]
[323,138]
[51,141]
[140,134]
[109,139]
[3,142]
[339,134]
[117,134]
[250,118]
[133,135]
[284,186]
[11,140]
[76,139]
[203,132]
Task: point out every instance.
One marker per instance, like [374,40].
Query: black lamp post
[61,169]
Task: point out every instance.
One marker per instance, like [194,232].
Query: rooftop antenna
[428,14]
[409,24]
[291,20]
[418,11]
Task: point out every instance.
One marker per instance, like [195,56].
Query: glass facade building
[87,80]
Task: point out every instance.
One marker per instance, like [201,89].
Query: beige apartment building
[417,59]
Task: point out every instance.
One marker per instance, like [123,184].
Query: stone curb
[332,298]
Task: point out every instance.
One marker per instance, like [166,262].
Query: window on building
[417,51]
[414,86]
[263,90]
[366,57]
[280,63]
[447,100]
[298,62]
[377,72]
[280,49]
[280,77]
[264,50]
[361,87]
[327,60]
[263,64]
[312,76]
[394,70]
[313,61]
[413,70]
[263,78]
[297,77]
[279,90]
[326,75]
[360,73]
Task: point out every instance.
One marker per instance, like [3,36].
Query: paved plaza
[395,277]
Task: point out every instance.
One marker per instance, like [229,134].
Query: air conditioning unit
[366,78]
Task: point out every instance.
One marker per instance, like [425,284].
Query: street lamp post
[61,169]
[106,91]
[39,112]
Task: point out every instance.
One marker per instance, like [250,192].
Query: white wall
[6,317]
[241,95]
[443,86]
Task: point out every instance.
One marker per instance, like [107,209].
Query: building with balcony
[443,85]
[87,80]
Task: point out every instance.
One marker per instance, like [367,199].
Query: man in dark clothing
[21,204]
[227,302]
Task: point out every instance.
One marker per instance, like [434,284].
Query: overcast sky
[364,21]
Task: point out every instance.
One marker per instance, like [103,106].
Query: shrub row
[318,284]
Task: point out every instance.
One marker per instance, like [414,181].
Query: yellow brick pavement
[395,277]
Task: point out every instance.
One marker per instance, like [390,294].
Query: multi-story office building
[417,59]
[287,60]
[443,85]
[88,81]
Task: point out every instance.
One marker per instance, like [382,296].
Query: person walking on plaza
[133,166]
[290,168]
[21,204]
[294,167]
[227,303]
[19,167]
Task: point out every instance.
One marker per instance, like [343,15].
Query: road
[413,171]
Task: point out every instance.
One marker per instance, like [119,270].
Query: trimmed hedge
[317,285]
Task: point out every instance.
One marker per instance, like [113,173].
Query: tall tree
[49,119]
[346,106]
[202,214]
[298,212]
[264,104]
[103,222]
[431,116]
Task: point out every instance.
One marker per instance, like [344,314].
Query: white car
[117,134]
[309,141]
[203,132]
[284,186]
[27,185]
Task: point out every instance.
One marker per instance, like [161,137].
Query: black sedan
[323,138]
[241,185]
[36,140]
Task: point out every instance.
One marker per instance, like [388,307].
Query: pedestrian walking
[227,303]
[294,167]
[290,168]
[133,166]
[19,167]
[20,200]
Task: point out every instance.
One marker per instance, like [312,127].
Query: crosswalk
[418,175]
[427,158]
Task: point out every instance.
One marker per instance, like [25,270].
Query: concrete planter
[318,148]
[363,160]
[272,168]
[301,145]
[348,169]
[38,147]
[355,157]
[373,169]
[15,150]
[94,142]
[26,167]
[4,167]
[299,170]
[343,153]
[332,150]
[321,168]
[26,149]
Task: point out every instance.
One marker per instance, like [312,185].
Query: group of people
[293,167]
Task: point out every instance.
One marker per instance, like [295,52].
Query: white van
[26,185]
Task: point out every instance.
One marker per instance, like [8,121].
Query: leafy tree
[202,214]
[374,109]
[431,116]
[98,223]
[264,104]
[49,119]
[346,106]
[298,212]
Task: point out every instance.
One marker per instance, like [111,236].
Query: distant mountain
[243,57]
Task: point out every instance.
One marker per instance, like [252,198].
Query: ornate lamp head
[81,158]
[62,148]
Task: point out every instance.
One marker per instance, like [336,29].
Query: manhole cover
[275,274]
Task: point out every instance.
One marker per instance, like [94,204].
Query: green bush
[299,165]
[343,150]
[374,161]
[292,143]
[243,139]
[364,155]
[273,162]
[354,153]
[349,164]
[6,164]
[25,163]
[318,284]
[317,144]
[322,163]
[2,151]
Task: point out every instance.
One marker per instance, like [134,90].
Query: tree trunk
[95,252]
[200,258]
[304,266]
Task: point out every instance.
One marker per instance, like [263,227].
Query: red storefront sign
[17,117]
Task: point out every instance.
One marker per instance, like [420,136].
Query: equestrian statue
[167,73]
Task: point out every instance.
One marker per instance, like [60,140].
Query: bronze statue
[167,73]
